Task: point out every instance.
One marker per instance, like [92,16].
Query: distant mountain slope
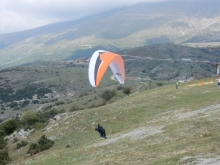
[12,38]
[127,27]
[174,52]
[170,62]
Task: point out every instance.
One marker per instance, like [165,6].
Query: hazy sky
[18,15]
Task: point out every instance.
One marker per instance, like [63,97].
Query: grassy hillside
[158,126]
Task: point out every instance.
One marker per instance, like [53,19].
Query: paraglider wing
[99,63]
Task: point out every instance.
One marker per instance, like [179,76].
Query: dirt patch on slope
[137,134]
[206,110]
[199,160]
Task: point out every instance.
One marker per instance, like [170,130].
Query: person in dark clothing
[101,131]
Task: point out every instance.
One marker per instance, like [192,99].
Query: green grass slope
[158,126]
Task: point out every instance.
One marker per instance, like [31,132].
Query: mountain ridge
[127,27]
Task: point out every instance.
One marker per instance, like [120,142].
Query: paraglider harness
[101,131]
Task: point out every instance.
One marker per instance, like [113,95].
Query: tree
[108,95]
[29,118]
[4,157]
[9,126]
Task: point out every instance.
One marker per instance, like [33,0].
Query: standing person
[177,84]
[218,82]
[101,131]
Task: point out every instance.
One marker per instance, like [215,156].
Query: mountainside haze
[127,27]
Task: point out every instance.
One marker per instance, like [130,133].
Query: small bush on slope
[43,144]
[4,157]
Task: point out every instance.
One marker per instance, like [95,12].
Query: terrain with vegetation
[54,110]
[48,109]
[47,85]
[162,125]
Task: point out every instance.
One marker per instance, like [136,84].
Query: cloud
[26,14]
[11,21]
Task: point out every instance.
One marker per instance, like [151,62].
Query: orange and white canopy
[99,63]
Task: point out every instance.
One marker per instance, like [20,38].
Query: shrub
[51,113]
[35,101]
[74,108]
[206,134]
[47,107]
[4,157]
[16,108]
[22,144]
[42,91]
[67,146]
[42,144]
[59,103]
[127,90]
[15,140]
[159,84]
[25,103]
[119,88]
[38,125]
[92,106]
[46,115]
[33,149]
[2,142]
[2,133]
[26,92]
[107,95]
[54,100]
[5,94]
[13,104]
